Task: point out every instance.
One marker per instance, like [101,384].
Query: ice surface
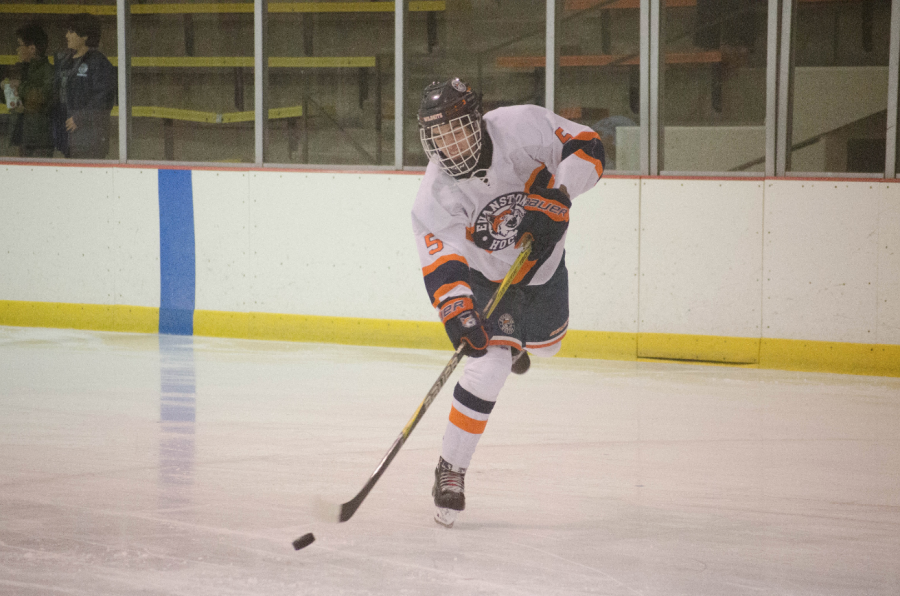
[144,465]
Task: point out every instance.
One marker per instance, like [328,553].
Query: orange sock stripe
[463,422]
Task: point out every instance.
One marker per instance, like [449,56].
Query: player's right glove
[546,219]
[464,326]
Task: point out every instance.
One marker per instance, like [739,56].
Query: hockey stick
[347,509]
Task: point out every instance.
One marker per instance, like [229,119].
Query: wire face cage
[454,145]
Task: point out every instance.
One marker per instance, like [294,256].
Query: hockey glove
[464,326]
[546,219]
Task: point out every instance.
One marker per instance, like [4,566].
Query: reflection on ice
[177,415]
[137,464]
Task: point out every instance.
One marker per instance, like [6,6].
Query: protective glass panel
[192,82]
[840,86]
[713,82]
[330,81]
[598,75]
[60,85]
[497,47]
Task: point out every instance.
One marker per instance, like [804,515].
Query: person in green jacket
[30,121]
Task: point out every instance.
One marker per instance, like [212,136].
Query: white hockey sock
[473,399]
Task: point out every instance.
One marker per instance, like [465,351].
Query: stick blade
[347,510]
[327,511]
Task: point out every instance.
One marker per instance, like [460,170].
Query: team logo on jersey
[507,324]
[495,227]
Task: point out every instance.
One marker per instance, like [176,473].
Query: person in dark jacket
[86,86]
[30,121]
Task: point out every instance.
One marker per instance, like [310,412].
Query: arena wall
[775,273]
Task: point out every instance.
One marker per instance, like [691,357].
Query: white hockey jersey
[471,224]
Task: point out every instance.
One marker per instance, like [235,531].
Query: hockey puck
[304,541]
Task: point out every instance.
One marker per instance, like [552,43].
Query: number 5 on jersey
[434,244]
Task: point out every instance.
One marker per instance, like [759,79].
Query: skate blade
[445,517]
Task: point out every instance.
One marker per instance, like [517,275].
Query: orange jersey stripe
[528,266]
[546,343]
[534,176]
[470,425]
[587,135]
[431,268]
[446,288]
[598,165]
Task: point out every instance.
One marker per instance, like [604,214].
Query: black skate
[448,492]
[520,362]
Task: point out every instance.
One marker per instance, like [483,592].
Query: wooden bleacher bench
[576,5]
[234,61]
[710,57]
[231,62]
[198,116]
[583,114]
[222,8]
[632,61]
[428,7]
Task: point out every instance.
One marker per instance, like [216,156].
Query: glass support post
[123,19]
[890,170]
[259,80]
[783,119]
[772,43]
[644,87]
[550,60]
[399,83]
[656,53]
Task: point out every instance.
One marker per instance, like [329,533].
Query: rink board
[779,273]
[701,263]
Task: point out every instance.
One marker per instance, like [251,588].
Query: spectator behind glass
[607,129]
[33,81]
[86,87]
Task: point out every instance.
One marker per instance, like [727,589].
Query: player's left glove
[464,326]
[546,219]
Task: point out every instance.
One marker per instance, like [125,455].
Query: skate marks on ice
[133,464]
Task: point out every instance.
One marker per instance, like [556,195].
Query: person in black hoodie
[30,121]
[86,87]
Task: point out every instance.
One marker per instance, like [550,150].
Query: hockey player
[491,180]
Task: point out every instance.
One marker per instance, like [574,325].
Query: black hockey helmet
[450,126]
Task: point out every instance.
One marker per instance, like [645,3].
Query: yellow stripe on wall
[705,348]
[833,357]
[99,317]
[338,330]
[784,354]
[605,345]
